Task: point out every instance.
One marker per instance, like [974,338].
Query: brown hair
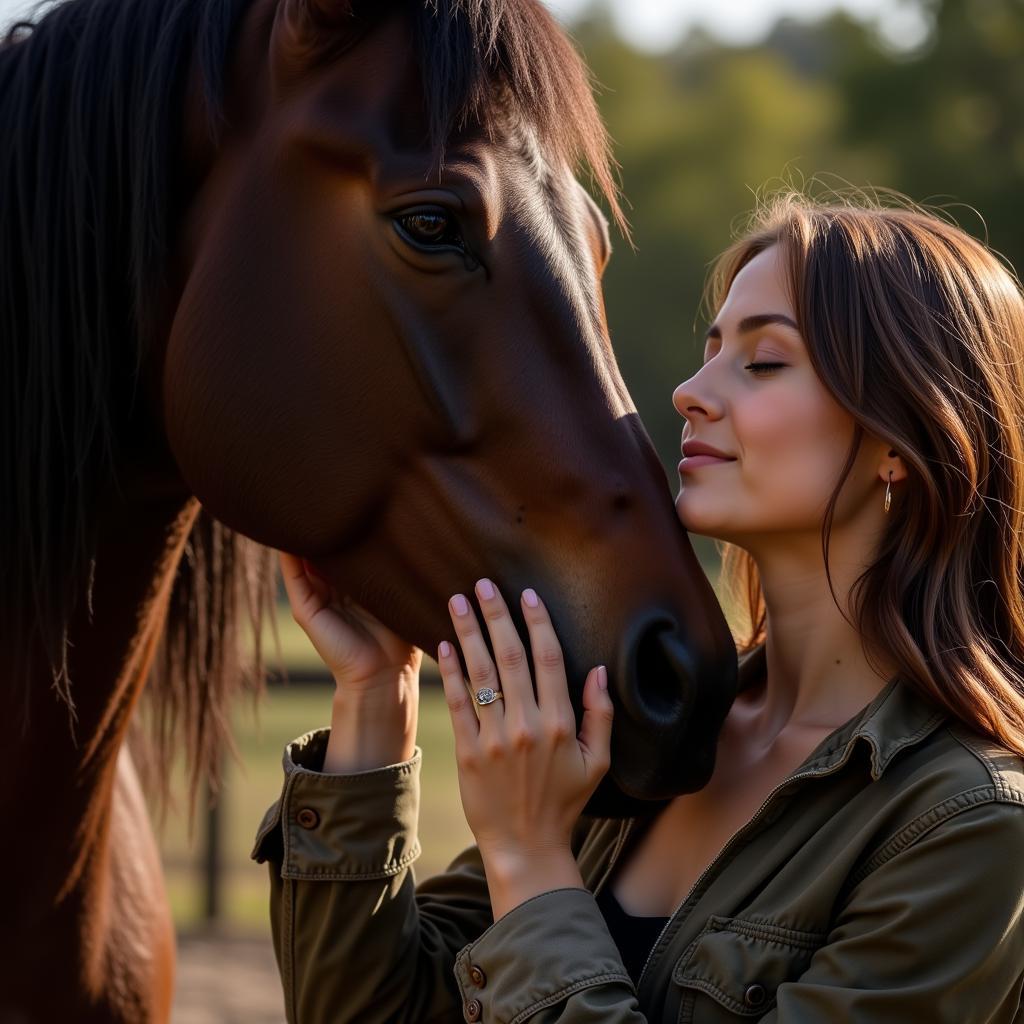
[917,330]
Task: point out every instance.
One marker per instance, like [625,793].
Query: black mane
[90,96]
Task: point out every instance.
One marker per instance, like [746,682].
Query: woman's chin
[693,521]
[708,526]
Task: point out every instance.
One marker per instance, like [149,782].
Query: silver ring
[487,695]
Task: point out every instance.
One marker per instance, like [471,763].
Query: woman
[855,437]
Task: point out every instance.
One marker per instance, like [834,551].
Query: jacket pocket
[732,969]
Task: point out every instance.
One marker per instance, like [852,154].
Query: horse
[318,276]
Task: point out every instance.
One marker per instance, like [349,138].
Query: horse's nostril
[657,684]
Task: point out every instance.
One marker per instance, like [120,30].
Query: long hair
[91,103]
[917,331]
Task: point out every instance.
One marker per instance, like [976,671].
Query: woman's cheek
[782,472]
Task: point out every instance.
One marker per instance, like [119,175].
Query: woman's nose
[693,398]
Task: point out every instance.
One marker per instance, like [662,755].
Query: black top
[634,936]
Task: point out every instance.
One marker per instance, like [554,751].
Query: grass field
[254,783]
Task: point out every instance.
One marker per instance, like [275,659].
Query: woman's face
[758,401]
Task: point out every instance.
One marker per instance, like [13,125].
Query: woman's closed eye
[763,369]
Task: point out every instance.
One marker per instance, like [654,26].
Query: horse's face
[404,375]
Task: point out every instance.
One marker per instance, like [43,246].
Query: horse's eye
[431,228]
[426,227]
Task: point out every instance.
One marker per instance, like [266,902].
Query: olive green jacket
[882,882]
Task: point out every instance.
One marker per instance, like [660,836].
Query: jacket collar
[896,718]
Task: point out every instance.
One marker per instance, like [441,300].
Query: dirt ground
[226,979]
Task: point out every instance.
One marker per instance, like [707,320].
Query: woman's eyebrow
[752,323]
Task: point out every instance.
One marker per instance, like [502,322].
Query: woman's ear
[891,462]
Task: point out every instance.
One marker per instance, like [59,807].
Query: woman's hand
[376,674]
[524,773]
[359,650]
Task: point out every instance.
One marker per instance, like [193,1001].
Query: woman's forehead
[762,278]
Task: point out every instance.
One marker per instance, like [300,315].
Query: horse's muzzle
[669,708]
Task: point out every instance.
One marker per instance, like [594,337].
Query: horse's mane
[91,101]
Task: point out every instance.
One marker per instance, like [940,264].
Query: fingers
[508,671]
[549,666]
[479,666]
[509,654]
[524,720]
[305,595]
[595,736]
[333,635]
[457,696]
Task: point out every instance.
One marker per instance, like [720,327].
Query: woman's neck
[817,671]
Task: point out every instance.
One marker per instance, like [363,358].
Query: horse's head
[391,354]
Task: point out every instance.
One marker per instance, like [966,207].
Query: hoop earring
[888,492]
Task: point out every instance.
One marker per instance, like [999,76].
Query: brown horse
[315,275]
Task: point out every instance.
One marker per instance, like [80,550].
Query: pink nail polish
[446,649]
[485,589]
[530,597]
[460,604]
[602,678]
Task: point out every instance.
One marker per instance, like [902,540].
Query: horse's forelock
[489,61]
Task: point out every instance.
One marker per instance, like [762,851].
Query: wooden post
[212,867]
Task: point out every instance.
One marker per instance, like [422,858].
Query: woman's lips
[694,461]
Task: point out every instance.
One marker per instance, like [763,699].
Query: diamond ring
[487,695]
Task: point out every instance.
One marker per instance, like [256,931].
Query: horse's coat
[353,309]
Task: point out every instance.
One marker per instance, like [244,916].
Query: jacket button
[473,1010]
[308,818]
[478,976]
[755,995]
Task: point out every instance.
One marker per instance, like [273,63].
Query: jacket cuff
[328,827]
[538,954]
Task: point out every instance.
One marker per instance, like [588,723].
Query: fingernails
[530,597]
[485,589]
[459,605]
[602,678]
[445,649]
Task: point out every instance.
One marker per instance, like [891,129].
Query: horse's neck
[93,895]
[73,766]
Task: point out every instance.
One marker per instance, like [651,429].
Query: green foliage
[700,130]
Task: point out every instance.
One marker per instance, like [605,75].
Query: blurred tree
[950,117]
